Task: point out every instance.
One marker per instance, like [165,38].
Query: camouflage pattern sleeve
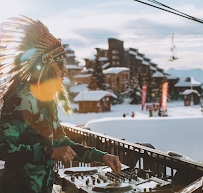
[17,113]
[84,154]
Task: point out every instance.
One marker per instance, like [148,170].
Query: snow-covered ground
[181,131]
[174,109]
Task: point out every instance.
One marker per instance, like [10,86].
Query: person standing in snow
[132,114]
[31,136]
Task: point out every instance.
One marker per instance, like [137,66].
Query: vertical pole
[191,93]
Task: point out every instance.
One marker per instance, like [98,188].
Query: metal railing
[180,171]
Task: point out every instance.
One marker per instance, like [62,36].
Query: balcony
[180,172]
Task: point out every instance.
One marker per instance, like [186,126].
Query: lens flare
[47,90]
[62,103]
[28,55]
[38,67]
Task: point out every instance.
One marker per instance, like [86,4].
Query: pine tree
[139,77]
[92,83]
[99,75]
[119,99]
[134,93]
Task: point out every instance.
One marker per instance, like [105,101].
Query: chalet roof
[183,83]
[101,59]
[105,65]
[88,70]
[78,88]
[139,57]
[169,77]
[152,68]
[71,66]
[132,52]
[157,74]
[66,47]
[145,62]
[189,91]
[115,70]
[93,95]
[82,75]
[70,54]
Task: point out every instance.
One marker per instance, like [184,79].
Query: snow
[105,65]
[82,75]
[71,66]
[169,77]
[189,91]
[152,68]
[186,84]
[196,73]
[93,95]
[139,57]
[115,70]
[66,80]
[78,88]
[70,54]
[133,53]
[157,74]
[145,62]
[180,132]
[103,59]
[87,70]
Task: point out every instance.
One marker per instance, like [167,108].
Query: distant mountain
[196,73]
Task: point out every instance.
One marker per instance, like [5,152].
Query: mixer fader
[101,179]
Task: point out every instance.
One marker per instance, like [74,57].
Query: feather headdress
[26,46]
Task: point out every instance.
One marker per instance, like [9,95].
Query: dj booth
[144,169]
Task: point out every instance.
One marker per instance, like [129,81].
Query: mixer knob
[129,179]
[98,180]
[93,181]
[82,176]
[145,190]
[87,182]
[72,178]
[147,176]
[105,180]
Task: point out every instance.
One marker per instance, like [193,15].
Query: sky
[85,25]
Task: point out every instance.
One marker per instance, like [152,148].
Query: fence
[180,171]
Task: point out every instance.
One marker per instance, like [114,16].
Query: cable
[184,15]
[156,2]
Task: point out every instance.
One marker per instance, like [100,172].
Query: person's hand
[113,162]
[64,153]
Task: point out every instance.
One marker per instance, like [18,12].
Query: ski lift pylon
[173,51]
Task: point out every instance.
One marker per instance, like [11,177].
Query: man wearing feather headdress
[31,136]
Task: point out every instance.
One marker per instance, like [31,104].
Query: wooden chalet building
[94,101]
[117,78]
[191,95]
[185,84]
[71,63]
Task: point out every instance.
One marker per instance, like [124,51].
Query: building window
[118,62]
[115,57]
[115,52]
[114,62]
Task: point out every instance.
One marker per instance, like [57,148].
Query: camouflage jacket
[25,129]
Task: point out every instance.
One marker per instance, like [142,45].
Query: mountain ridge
[196,73]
